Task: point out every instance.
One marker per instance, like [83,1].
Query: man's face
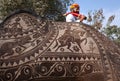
[76,10]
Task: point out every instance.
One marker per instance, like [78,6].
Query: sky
[110,7]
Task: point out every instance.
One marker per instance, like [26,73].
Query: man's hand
[85,18]
[82,17]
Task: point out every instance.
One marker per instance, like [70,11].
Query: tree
[112,31]
[50,9]
[96,20]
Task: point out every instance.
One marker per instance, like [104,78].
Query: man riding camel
[74,15]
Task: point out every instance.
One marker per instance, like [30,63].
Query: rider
[74,15]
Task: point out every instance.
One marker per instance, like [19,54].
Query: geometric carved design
[39,50]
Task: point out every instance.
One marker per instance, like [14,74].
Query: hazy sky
[110,7]
[97,4]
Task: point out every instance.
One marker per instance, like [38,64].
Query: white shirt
[71,18]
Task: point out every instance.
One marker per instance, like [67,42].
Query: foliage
[51,9]
[112,31]
[96,20]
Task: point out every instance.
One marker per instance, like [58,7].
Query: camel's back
[55,51]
